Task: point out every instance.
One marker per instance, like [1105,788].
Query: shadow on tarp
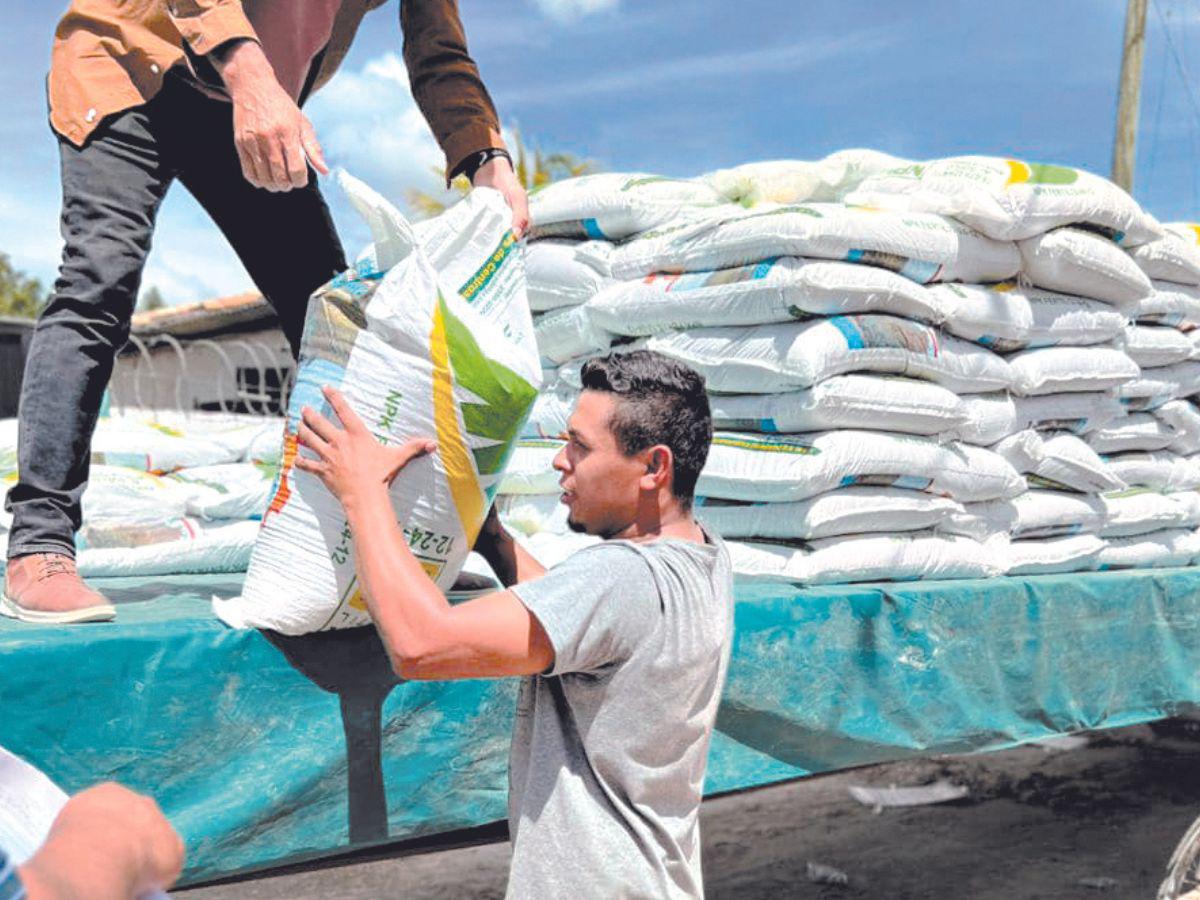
[352,664]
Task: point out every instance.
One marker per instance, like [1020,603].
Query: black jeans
[112,189]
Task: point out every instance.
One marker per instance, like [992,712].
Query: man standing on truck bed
[144,92]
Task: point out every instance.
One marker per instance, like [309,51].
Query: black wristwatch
[476,161]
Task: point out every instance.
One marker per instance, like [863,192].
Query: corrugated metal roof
[222,314]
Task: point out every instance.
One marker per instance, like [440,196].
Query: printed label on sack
[780,444]
[920,271]
[872,332]
[909,482]
[694,281]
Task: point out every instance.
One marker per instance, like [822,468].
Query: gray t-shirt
[609,747]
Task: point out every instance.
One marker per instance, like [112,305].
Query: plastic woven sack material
[854,166]
[1182,417]
[782,468]
[998,317]
[844,401]
[614,205]
[1010,199]
[845,560]
[1056,370]
[1048,556]
[1142,511]
[1177,305]
[1058,462]
[198,548]
[919,246]
[419,350]
[767,359]
[1175,256]
[531,469]
[1046,513]
[551,411]
[1136,431]
[532,514]
[1078,262]
[774,290]
[1159,469]
[142,443]
[1152,346]
[1160,385]
[775,181]
[229,491]
[567,333]
[992,417]
[1175,547]
[1063,320]
[851,510]
[559,276]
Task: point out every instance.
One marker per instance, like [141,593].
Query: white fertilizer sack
[567,333]
[1182,417]
[557,276]
[1044,513]
[191,548]
[997,316]
[1048,556]
[1173,257]
[1059,462]
[1078,262]
[229,491]
[785,468]
[1177,305]
[1009,199]
[992,417]
[851,510]
[919,246]
[844,401]
[1063,320]
[1159,385]
[1175,547]
[775,290]
[901,557]
[531,468]
[1152,346]
[1141,511]
[1160,470]
[551,411]
[420,350]
[614,205]
[771,358]
[1054,370]
[1136,431]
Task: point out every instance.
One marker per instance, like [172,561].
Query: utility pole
[1129,97]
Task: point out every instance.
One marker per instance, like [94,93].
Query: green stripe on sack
[766,445]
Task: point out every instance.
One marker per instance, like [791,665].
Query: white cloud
[569,10]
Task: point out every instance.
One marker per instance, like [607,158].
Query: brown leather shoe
[44,588]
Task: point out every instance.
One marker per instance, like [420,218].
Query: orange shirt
[110,55]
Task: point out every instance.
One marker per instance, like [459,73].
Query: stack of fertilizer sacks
[945,370]
[167,493]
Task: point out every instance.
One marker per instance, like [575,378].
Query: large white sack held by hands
[774,290]
[1009,199]
[558,275]
[1078,262]
[614,205]
[428,339]
[763,359]
[793,467]
[845,401]
[1173,257]
[920,246]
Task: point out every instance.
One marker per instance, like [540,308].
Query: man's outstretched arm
[425,637]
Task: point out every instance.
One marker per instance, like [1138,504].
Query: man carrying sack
[207,92]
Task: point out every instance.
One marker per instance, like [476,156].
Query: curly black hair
[659,401]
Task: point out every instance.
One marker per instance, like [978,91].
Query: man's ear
[659,466]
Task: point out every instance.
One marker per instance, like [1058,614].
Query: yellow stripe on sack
[456,459]
[359,602]
[1196,230]
[1018,172]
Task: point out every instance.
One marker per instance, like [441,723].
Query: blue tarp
[264,750]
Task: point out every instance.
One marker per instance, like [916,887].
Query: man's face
[600,483]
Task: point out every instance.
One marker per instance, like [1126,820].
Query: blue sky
[681,87]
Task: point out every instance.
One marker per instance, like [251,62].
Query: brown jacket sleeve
[445,80]
[207,24]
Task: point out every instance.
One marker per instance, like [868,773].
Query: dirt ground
[1082,824]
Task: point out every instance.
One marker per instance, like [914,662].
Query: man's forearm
[242,65]
[406,605]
